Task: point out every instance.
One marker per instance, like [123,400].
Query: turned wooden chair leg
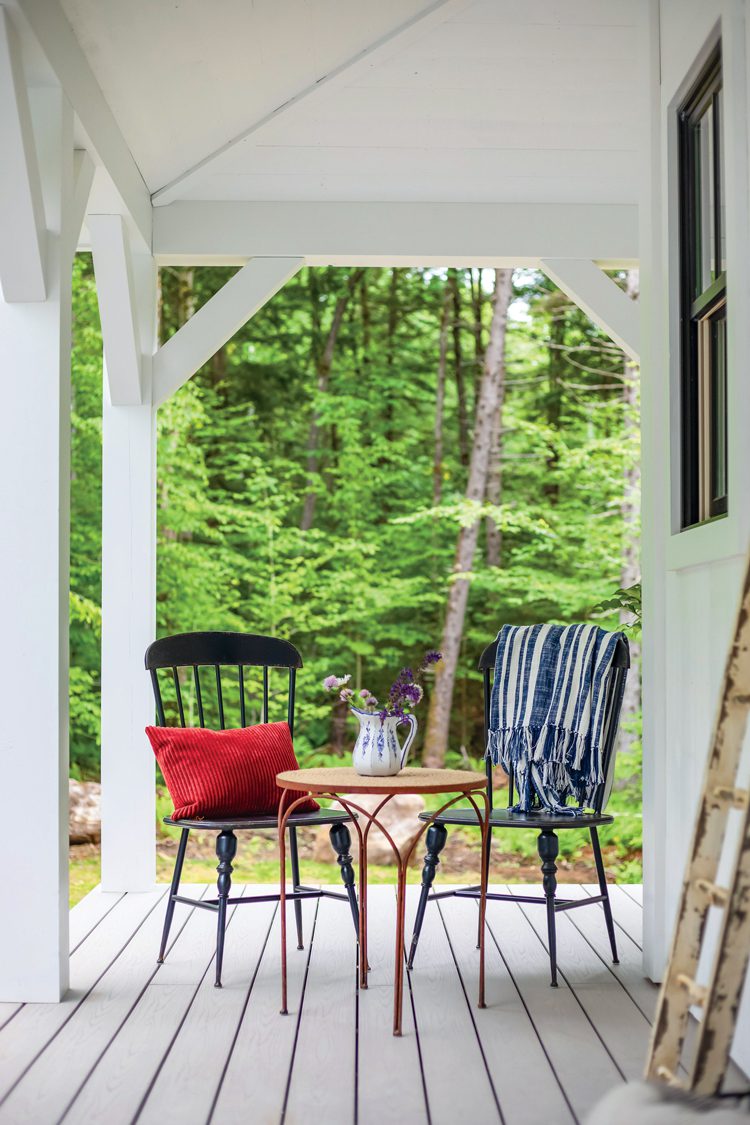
[341,841]
[435,838]
[548,847]
[226,850]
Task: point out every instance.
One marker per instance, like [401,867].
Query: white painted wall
[692,578]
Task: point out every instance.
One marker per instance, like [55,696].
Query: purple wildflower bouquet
[405,693]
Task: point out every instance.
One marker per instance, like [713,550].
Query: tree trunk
[490,394]
[495,482]
[325,362]
[458,366]
[630,571]
[437,464]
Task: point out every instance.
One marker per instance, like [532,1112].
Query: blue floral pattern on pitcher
[377,752]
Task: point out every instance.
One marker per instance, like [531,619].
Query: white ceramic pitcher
[377,752]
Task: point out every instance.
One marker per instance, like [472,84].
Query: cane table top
[345,779]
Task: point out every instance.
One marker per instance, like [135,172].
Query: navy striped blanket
[547,711]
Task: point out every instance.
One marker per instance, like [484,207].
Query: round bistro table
[340,784]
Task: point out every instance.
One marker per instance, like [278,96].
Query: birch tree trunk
[437,463]
[325,362]
[488,401]
[630,571]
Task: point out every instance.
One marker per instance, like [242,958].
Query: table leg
[282,900]
[484,876]
[398,976]
[364,964]
[283,817]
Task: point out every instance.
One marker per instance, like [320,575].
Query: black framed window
[703,298]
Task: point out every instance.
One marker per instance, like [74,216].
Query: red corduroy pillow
[224,773]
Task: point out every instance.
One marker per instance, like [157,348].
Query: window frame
[703,368]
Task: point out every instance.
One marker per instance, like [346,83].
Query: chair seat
[296,820]
[506,818]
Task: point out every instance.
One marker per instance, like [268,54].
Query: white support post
[22,234]
[217,321]
[600,298]
[34,577]
[128,606]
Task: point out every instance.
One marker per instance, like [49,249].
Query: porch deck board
[619,1024]
[133,1041]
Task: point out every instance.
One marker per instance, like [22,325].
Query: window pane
[722,262]
[706,202]
[718,410]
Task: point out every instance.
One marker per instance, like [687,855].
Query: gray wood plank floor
[136,1042]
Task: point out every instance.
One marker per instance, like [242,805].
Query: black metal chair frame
[238,651]
[546,824]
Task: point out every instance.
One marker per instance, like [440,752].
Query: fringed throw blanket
[547,711]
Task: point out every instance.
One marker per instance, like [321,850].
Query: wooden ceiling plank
[437,12]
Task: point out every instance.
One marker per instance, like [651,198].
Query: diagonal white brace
[217,321]
[600,298]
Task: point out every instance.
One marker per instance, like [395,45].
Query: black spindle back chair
[545,823]
[209,677]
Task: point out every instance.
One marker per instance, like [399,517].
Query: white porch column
[34,565]
[128,591]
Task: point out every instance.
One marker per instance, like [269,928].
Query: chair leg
[294,857]
[226,850]
[341,841]
[547,845]
[435,838]
[172,892]
[604,890]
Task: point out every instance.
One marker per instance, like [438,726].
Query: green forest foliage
[363,589]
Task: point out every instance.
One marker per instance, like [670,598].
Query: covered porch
[342,143]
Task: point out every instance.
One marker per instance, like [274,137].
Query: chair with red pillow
[221,756]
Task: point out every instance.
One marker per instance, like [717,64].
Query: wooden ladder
[720,996]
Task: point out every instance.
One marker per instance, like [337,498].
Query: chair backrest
[201,678]
[620,666]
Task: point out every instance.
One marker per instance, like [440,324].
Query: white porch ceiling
[481,101]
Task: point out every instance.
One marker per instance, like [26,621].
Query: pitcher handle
[412,721]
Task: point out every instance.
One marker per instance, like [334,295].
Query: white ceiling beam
[57,39]
[22,223]
[117,309]
[601,299]
[397,234]
[347,72]
[83,178]
[217,321]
